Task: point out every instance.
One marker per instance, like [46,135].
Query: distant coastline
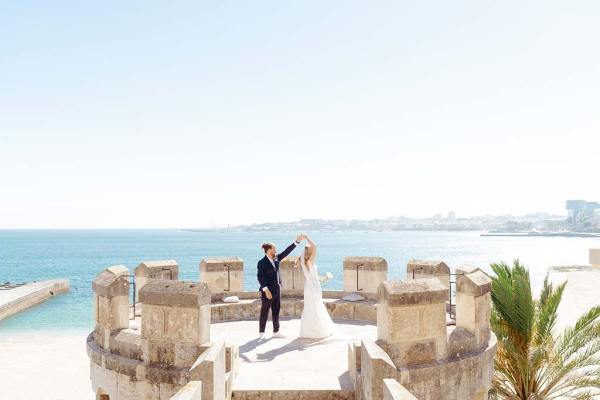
[545,234]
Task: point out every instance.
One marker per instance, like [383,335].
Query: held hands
[300,237]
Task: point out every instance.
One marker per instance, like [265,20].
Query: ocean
[79,255]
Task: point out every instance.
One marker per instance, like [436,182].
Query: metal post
[357,267]
[132,283]
[228,267]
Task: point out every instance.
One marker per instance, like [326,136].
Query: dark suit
[269,276]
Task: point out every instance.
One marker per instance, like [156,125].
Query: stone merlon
[112,282]
[213,264]
[475,283]
[367,263]
[152,268]
[417,291]
[429,267]
[175,293]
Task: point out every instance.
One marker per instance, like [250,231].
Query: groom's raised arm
[287,251]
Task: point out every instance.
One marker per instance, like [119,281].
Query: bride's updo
[308,251]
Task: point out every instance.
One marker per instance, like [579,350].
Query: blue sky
[171,114]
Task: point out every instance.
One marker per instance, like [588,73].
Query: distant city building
[451,215]
[581,209]
[437,216]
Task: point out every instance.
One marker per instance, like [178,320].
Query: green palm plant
[532,361]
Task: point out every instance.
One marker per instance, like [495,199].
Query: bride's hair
[267,246]
[308,250]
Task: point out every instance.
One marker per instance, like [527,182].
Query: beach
[44,365]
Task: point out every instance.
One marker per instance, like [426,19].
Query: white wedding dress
[315,322]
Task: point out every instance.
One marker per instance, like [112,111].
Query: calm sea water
[80,255]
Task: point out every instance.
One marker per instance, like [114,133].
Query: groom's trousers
[274,304]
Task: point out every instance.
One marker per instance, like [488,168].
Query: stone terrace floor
[292,363]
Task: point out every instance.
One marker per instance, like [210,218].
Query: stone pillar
[291,274]
[595,258]
[411,320]
[473,305]
[209,368]
[175,322]
[165,269]
[364,274]
[392,390]
[375,366]
[111,303]
[222,274]
[418,269]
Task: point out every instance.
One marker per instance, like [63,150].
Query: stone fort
[430,335]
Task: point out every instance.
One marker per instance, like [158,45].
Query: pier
[20,297]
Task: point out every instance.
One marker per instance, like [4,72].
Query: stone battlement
[164,349]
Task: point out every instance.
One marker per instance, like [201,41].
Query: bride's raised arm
[313,253]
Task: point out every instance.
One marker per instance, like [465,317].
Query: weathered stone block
[291,274]
[376,365]
[222,274]
[392,390]
[126,343]
[180,324]
[210,369]
[111,314]
[164,269]
[595,258]
[473,314]
[365,312]
[340,309]
[112,282]
[159,352]
[364,274]
[460,342]
[411,320]
[416,291]
[475,283]
[232,359]
[191,391]
[175,293]
[186,354]
[418,269]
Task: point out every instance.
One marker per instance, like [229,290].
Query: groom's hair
[267,246]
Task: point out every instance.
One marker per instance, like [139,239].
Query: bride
[315,322]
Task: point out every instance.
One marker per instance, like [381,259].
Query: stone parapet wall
[292,307]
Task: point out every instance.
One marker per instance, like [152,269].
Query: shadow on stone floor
[298,344]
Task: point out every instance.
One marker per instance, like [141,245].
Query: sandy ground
[581,293]
[51,366]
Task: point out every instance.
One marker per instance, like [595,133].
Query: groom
[270,283]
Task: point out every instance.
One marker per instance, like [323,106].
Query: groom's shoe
[261,336]
[278,334]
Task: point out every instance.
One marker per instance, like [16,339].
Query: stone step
[292,395]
